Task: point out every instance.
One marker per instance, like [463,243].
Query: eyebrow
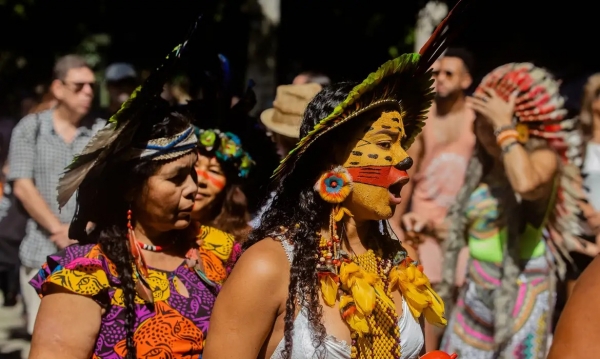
[176,170]
[386,131]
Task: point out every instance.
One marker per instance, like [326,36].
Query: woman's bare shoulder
[264,260]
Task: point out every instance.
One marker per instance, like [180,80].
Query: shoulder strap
[289,249]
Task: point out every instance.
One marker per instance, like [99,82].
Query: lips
[395,188]
[188,209]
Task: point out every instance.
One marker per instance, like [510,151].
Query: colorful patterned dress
[178,324]
[470,331]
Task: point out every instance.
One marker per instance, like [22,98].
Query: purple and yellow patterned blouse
[177,325]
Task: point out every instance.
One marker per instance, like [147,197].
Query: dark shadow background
[347,39]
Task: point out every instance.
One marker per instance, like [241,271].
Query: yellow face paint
[377,163]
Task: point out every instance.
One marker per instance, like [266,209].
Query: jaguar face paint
[378,164]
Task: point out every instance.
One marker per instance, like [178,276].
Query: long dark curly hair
[298,207]
[105,204]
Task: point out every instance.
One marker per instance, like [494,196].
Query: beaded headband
[227,147]
[167,147]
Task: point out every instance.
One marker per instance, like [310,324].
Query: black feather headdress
[115,139]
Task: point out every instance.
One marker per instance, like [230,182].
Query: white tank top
[411,335]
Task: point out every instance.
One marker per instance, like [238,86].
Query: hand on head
[491,106]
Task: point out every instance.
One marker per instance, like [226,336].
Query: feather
[122,127]
[444,33]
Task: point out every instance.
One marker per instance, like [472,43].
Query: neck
[204,216]
[596,126]
[149,236]
[356,236]
[63,113]
[450,105]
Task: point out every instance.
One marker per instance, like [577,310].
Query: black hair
[465,55]
[298,207]
[105,204]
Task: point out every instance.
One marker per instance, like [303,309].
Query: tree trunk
[262,47]
[429,17]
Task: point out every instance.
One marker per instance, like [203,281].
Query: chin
[383,214]
[182,223]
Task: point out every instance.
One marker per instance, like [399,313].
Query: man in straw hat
[284,119]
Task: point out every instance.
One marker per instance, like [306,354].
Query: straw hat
[288,108]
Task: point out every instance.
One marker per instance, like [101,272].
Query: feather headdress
[405,81]
[540,113]
[115,139]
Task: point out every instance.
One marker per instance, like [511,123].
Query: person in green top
[517,212]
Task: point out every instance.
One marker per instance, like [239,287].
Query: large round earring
[335,185]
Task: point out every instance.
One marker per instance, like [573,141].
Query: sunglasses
[436,73]
[78,86]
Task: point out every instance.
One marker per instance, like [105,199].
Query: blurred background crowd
[272,42]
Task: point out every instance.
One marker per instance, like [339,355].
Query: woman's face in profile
[211,182]
[167,199]
[374,158]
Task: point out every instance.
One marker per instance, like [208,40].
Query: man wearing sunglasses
[42,145]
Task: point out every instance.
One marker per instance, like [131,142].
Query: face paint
[380,176]
[212,178]
[373,164]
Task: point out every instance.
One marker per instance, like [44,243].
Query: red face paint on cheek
[214,179]
[380,176]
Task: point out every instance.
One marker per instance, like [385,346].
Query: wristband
[501,129]
[506,149]
[506,134]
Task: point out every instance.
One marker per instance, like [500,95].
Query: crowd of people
[404,216]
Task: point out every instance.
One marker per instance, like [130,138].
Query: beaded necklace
[362,285]
[384,339]
[150,247]
[371,314]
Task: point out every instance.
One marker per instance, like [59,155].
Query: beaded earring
[335,185]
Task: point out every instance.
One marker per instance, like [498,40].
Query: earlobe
[56,89]
[129,196]
[467,81]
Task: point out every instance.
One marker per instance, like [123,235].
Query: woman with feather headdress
[321,275]
[518,212]
[143,279]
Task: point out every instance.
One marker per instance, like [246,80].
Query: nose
[191,188]
[405,164]
[88,89]
[201,178]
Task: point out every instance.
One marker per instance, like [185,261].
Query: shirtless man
[440,154]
